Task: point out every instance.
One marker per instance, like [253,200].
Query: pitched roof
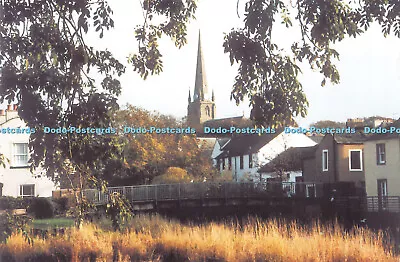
[316,138]
[222,141]
[357,138]
[246,144]
[237,121]
[288,160]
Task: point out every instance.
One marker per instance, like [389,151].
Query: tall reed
[158,239]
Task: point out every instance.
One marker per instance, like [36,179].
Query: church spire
[189,98]
[200,87]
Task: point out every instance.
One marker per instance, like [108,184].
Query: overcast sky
[369,67]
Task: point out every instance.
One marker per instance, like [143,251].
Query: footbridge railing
[208,190]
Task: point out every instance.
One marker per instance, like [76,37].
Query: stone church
[202,108]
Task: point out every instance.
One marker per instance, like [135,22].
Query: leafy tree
[328,124]
[3,160]
[45,67]
[147,155]
[268,73]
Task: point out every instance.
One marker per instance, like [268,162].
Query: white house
[16,177]
[219,143]
[245,154]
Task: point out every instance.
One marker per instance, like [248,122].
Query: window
[20,157]
[27,190]
[382,194]
[230,163]
[241,162]
[310,190]
[250,160]
[207,110]
[355,160]
[380,154]
[325,160]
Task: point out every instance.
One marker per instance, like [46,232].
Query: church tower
[201,108]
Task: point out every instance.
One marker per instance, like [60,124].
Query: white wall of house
[389,171]
[16,177]
[291,178]
[268,152]
[216,151]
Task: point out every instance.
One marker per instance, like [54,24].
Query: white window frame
[361,159]
[251,161]
[326,160]
[16,163]
[21,191]
[381,160]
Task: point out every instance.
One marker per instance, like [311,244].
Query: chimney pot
[15,107]
[9,107]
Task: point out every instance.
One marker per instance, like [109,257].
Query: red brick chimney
[15,107]
[2,112]
[9,107]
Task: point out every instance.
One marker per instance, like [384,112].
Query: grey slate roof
[246,144]
[289,160]
[357,138]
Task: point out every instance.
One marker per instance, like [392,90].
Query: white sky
[369,68]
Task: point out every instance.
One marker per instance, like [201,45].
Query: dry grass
[157,239]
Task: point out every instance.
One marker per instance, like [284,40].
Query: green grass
[52,223]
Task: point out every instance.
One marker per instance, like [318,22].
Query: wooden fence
[383,203]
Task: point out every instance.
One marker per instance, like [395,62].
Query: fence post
[179,192]
[147,192]
[225,193]
[398,201]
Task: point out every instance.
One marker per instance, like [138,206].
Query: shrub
[41,208]
[173,175]
[60,205]
[10,223]
[8,202]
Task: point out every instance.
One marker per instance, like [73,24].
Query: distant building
[16,177]
[374,121]
[244,155]
[201,108]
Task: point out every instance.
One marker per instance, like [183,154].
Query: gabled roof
[316,138]
[357,138]
[236,121]
[288,160]
[222,141]
[246,144]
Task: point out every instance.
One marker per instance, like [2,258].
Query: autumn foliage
[149,155]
